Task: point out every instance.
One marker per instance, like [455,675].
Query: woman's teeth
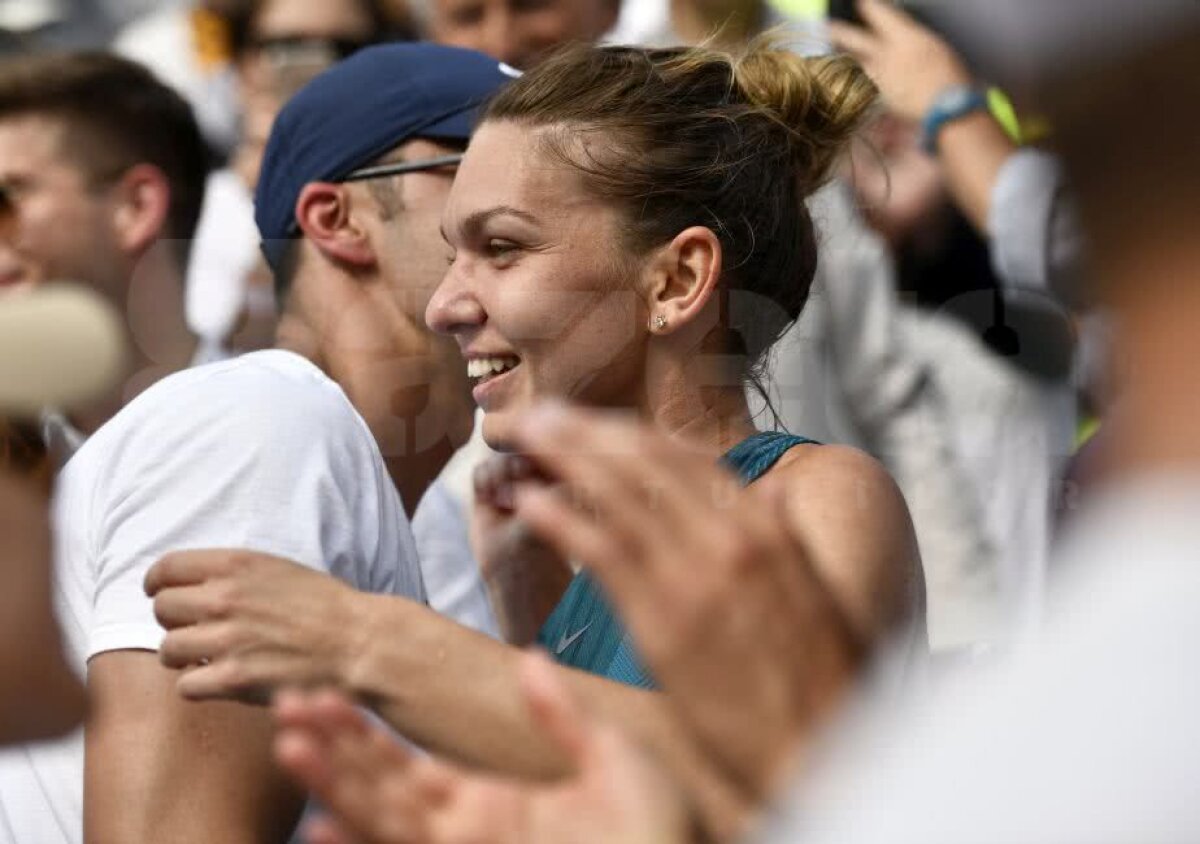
[483,367]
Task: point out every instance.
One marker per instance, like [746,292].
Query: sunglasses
[285,49]
[399,168]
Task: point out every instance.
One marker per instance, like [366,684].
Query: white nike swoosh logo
[566,641]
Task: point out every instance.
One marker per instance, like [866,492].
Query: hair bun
[822,101]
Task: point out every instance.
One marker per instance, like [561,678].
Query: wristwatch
[951,104]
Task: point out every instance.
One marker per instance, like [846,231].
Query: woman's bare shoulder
[852,520]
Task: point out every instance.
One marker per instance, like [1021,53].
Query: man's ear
[143,203]
[323,212]
[682,278]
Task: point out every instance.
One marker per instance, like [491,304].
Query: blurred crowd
[467,421]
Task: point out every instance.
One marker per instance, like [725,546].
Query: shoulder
[855,523]
[851,479]
[276,390]
[266,412]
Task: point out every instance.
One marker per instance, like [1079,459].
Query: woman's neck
[712,418]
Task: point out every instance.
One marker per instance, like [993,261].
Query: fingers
[494,479]
[300,754]
[354,767]
[854,40]
[194,645]
[324,829]
[181,606]
[625,468]
[224,680]
[183,568]
[570,532]
[552,706]
[883,18]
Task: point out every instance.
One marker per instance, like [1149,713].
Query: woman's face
[539,294]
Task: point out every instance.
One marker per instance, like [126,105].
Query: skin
[68,224]
[519,32]
[379,792]
[32,661]
[341,19]
[912,65]
[263,88]
[365,273]
[543,285]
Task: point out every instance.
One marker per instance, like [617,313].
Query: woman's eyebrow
[476,221]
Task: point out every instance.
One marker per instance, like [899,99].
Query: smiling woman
[629,231]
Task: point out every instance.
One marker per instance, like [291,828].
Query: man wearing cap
[295,451]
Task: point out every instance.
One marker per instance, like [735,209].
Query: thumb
[553,708]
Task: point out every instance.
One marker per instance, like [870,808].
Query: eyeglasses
[287,49]
[379,171]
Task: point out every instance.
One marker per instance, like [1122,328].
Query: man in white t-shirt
[267,453]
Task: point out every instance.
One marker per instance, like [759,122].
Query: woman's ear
[682,278]
[323,213]
[143,203]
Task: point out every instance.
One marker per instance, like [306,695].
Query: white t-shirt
[224,252]
[262,452]
[452,576]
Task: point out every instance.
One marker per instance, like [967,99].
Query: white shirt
[263,452]
[224,252]
[448,565]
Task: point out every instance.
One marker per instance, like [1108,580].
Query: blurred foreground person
[57,347]
[1090,734]
[653,285]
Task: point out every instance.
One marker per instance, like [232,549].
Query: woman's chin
[497,430]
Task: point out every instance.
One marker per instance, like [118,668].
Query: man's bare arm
[458,693]
[162,769]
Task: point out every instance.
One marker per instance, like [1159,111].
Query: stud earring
[660,322]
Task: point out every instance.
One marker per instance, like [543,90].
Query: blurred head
[520,32]
[282,44]
[260,25]
[624,212]
[98,162]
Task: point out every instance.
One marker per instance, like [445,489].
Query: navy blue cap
[360,109]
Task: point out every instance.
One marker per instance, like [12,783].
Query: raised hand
[741,630]
[525,576]
[910,63]
[378,792]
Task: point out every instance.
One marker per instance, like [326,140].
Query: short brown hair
[695,136]
[117,115]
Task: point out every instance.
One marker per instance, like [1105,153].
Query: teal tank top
[583,631]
